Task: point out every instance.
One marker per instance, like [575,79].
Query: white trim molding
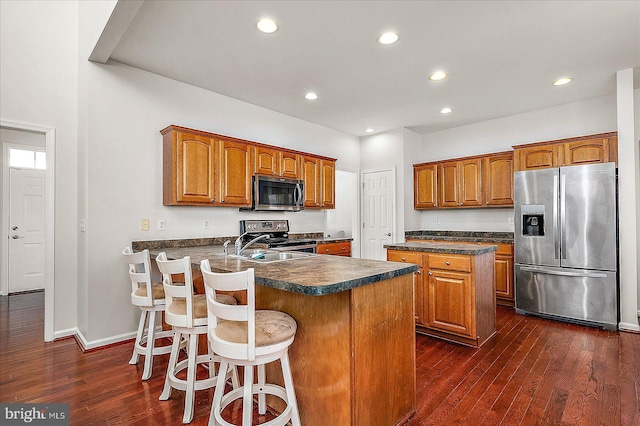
[49,237]
[87,345]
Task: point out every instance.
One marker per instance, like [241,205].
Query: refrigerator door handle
[564,273]
[563,215]
[556,230]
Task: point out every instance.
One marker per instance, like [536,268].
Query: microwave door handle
[298,195]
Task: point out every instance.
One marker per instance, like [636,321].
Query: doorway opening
[21,266]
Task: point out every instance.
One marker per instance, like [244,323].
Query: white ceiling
[501,56]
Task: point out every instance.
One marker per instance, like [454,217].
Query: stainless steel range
[277,235]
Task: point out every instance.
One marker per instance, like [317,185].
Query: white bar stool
[149,297]
[187,314]
[243,336]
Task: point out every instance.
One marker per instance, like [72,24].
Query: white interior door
[26,229]
[378,213]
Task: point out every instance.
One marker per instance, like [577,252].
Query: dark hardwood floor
[533,372]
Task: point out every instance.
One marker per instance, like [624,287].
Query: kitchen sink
[268,256]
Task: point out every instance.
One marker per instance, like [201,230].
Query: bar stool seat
[187,314]
[242,336]
[149,297]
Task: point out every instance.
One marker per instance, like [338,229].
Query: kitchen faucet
[238,243]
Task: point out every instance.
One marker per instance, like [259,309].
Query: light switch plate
[144,224]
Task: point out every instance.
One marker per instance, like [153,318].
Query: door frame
[357,230]
[49,234]
[394,223]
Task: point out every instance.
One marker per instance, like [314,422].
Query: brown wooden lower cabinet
[503,269]
[342,248]
[455,293]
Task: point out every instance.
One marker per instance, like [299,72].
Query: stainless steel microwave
[271,193]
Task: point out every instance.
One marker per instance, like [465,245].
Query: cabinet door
[418,280]
[586,152]
[267,161]
[450,303]
[328,179]
[235,173]
[195,156]
[498,180]
[470,177]
[289,165]
[425,186]
[448,184]
[536,157]
[504,277]
[311,177]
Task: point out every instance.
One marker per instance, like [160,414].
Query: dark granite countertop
[462,236]
[449,248]
[316,275]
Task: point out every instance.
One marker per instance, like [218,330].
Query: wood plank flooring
[533,372]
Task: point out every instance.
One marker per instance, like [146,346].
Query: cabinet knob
[418,272]
[404,258]
[326,250]
[430,273]
[344,248]
[446,263]
[213,200]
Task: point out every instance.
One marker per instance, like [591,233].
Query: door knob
[15,237]
[15,228]
[389,234]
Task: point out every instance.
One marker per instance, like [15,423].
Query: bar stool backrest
[232,281]
[177,292]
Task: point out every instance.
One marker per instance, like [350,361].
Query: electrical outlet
[83,226]
[510,221]
[437,221]
[162,225]
[206,224]
[144,224]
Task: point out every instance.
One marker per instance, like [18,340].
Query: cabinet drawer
[505,249]
[341,248]
[450,262]
[404,256]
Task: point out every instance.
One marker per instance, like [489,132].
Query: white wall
[575,119]
[38,82]
[384,151]
[126,109]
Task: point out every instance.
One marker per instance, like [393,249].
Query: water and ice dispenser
[532,220]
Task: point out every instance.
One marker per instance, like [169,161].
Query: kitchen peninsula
[353,358]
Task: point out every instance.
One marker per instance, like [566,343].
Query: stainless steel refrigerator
[566,251]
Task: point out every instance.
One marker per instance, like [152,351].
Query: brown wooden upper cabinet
[460,183]
[189,165]
[319,177]
[478,181]
[425,184]
[600,148]
[202,168]
[497,179]
[235,173]
[270,161]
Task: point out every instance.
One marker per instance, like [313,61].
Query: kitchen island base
[353,359]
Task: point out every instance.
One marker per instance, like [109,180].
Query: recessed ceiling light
[369,130]
[445,110]
[562,81]
[388,38]
[438,75]
[311,96]
[267,26]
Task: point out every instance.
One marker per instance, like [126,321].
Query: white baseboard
[94,344]
[626,326]
[61,334]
